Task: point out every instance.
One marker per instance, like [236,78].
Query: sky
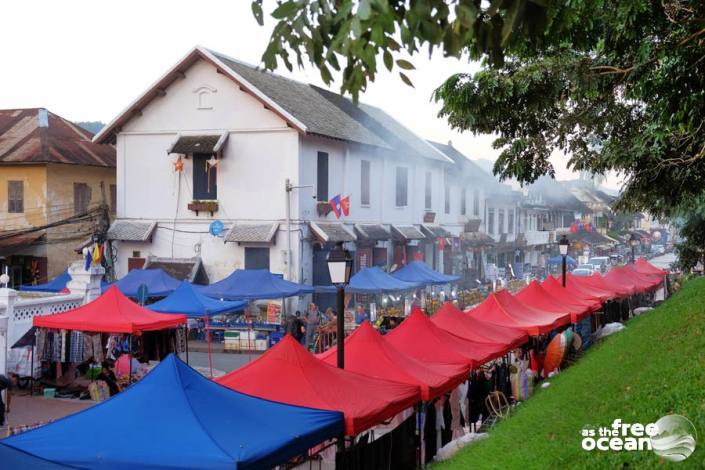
[87,60]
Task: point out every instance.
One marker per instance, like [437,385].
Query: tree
[616,85]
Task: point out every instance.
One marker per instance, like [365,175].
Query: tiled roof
[372,232]
[198,143]
[591,238]
[331,232]
[554,195]
[183,269]
[477,239]
[38,136]
[434,231]
[407,232]
[302,101]
[252,233]
[126,230]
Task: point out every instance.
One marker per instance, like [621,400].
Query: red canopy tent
[502,309]
[568,296]
[536,296]
[579,292]
[627,276]
[112,312]
[452,320]
[625,289]
[418,337]
[643,266]
[288,373]
[367,353]
[598,280]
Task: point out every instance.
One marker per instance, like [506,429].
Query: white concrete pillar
[7,302]
[85,282]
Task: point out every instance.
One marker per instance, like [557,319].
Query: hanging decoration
[210,164]
[179,165]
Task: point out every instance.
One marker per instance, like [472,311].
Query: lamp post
[634,241]
[340,266]
[563,247]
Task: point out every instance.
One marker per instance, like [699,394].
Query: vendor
[108,376]
[360,314]
[6,385]
[126,362]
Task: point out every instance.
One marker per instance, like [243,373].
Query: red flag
[345,205]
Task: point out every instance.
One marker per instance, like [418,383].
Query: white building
[216,139]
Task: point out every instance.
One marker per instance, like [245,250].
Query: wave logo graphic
[675,439]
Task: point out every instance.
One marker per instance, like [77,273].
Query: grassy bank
[654,367]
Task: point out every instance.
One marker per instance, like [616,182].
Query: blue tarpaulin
[187,300]
[12,458]
[559,260]
[55,285]
[176,418]
[372,281]
[421,273]
[253,284]
[159,283]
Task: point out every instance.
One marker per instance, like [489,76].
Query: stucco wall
[35,187]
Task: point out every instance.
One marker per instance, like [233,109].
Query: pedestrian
[330,314]
[298,329]
[313,318]
[6,385]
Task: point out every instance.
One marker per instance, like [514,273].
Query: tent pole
[186,343]
[129,354]
[208,334]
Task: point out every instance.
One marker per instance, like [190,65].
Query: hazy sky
[87,60]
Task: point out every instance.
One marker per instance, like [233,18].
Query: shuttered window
[476,202]
[365,182]
[322,177]
[463,201]
[428,199]
[402,183]
[15,196]
[113,198]
[81,198]
[205,178]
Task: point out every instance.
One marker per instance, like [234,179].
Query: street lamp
[340,267]
[563,244]
[634,241]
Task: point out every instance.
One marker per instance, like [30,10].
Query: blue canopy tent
[187,300]
[254,284]
[176,418]
[421,273]
[570,261]
[15,458]
[159,283]
[372,281]
[56,285]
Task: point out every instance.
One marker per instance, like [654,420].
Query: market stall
[56,285]
[12,458]
[535,296]
[502,309]
[419,272]
[367,353]
[254,284]
[288,373]
[157,282]
[452,320]
[92,332]
[176,418]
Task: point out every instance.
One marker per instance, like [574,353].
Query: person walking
[360,314]
[313,318]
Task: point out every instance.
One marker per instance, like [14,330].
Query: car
[582,272]
[600,262]
[591,267]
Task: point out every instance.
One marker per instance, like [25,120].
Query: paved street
[664,261]
[222,362]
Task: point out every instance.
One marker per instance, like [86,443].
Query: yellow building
[56,190]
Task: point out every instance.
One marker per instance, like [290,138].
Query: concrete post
[7,300]
[85,282]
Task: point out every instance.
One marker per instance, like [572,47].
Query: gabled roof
[461,160]
[307,108]
[554,195]
[36,135]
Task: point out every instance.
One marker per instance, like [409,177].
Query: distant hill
[91,126]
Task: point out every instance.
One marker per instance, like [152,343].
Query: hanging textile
[180,340]
[76,352]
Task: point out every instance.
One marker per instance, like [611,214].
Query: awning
[536,296]
[420,272]
[254,284]
[371,232]
[252,233]
[372,281]
[477,239]
[125,230]
[331,232]
[435,231]
[186,144]
[8,240]
[591,238]
[407,232]
[187,300]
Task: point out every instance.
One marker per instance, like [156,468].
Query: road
[222,362]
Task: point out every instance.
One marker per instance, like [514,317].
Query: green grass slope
[654,367]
